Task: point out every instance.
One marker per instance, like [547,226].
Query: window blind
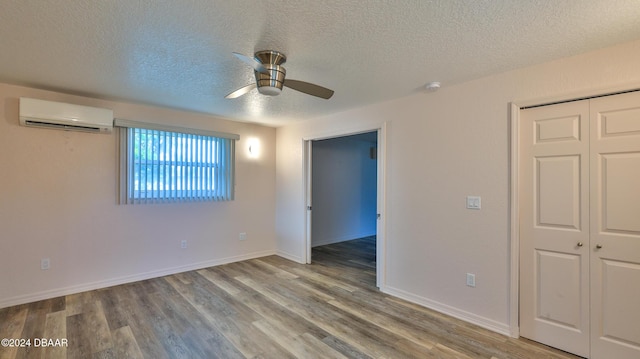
[169,164]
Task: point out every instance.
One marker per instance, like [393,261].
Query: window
[168,164]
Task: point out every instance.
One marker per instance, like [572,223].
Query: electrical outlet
[471,280]
[45,263]
[243,236]
[183,244]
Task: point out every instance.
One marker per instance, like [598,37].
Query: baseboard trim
[480,321]
[326,241]
[53,293]
[290,257]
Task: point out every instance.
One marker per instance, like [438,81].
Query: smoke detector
[432,86]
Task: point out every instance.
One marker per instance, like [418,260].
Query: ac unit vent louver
[64,116]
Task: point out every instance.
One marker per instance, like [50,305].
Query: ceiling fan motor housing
[270,84]
[272,57]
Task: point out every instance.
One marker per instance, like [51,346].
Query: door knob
[580,244]
[598,246]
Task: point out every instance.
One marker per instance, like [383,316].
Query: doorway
[343,186]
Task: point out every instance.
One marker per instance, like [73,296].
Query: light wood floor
[262,308]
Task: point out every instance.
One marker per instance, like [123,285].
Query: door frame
[514,220]
[514,170]
[380,194]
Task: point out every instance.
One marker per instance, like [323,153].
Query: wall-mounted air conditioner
[65,116]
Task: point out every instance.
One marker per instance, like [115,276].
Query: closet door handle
[580,244]
[598,246]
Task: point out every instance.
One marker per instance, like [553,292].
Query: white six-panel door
[580,226]
[554,226]
[615,226]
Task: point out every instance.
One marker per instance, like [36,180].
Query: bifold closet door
[580,226]
[615,226]
[554,226]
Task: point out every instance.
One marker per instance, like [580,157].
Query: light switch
[471,280]
[474,202]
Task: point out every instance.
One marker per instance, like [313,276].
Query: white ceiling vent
[65,116]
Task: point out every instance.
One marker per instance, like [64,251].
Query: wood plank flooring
[261,308]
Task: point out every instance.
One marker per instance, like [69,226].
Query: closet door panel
[554,226]
[615,226]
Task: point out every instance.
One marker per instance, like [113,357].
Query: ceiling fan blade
[309,88]
[241,91]
[251,61]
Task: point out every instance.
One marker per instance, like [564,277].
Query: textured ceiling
[178,53]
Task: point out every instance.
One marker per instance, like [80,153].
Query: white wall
[58,201]
[344,190]
[441,147]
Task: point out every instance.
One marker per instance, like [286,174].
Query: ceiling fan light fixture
[270,84]
[269,91]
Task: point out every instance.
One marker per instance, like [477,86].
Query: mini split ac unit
[64,116]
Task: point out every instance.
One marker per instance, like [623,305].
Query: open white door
[380,239]
[308,197]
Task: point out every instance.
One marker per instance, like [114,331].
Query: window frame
[125,195]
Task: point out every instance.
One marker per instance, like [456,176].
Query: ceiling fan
[270,76]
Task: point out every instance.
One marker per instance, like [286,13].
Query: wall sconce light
[253,147]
